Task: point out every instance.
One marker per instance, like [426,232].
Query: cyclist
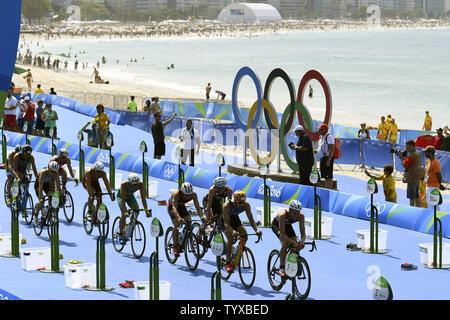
[21,163]
[9,168]
[63,159]
[46,180]
[233,225]
[176,207]
[212,202]
[282,227]
[126,195]
[92,185]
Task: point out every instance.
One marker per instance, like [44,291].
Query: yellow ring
[265,104]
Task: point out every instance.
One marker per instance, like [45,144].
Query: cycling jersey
[128,196]
[22,164]
[287,227]
[235,211]
[218,197]
[60,160]
[181,208]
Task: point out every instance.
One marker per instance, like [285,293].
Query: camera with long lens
[400,153]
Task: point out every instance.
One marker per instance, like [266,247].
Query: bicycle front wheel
[201,237]
[40,224]
[138,240]
[192,252]
[302,282]
[168,246]
[275,281]
[6,194]
[28,211]
[68,207]
[86,223]
[247,268]
[115,235]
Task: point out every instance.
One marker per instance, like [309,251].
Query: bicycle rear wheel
[191,251]
[138,240]
[202,239]
[51,217]
[275,281]
[88,226]
[8,199]
[28,211]
[68,207]
[40,223]
[302,282]
[115,235]
[168,246]
[247,268]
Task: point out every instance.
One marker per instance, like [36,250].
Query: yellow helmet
[240,196]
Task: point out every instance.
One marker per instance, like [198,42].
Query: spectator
[52,91]
[446,131]
[21,111]
[155,106]
[439,139]
[422,189]
[191,139]
[39,90]
[40,124]
[388,183]
[393,131]
[10,112]
[412,172]
[383,130]
[29,78]
[363,133]
[91,133]
[433,176]
[304,154]
[325,154]
[29,115]
[220,94]
[49,116]
[208,90]
[147,105]
[102,121]
[428,121]
[158,135]
[446,143]
[132,105]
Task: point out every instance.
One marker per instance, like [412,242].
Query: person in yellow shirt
[383,130]
[393,130]
[39,90]
[427,122]
[422,189]
[388,183]
[102,121]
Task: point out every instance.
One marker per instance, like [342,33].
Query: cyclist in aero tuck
[282,227]
[176,207]
[126,195]
[233,225]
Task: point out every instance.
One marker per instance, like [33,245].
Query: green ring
[309,125]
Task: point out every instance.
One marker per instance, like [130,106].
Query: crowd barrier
[403,216]
[368,152]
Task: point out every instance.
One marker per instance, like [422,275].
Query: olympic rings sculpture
[263,106]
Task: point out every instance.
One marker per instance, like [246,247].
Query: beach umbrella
[63,55]
[19,70]
[45,52]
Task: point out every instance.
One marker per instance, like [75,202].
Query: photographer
[412,171]
[433,176]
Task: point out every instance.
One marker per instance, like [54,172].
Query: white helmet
[99,166]
[63,152]
[187,188]
[133,178]
[295,205]
[220,182]
[53,166]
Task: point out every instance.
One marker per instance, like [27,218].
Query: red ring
[310,75]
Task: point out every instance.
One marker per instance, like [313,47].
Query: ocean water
[370,72]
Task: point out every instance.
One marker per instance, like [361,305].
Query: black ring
[279,73]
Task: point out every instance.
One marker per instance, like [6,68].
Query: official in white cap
[304,154]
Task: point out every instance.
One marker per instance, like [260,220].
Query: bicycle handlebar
[252,234]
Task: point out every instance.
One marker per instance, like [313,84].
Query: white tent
[248,13]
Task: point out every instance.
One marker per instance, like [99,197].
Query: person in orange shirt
[433,172]
[102,121]
[427,122]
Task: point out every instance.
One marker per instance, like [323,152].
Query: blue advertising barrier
[125,117]
[202,178]
[207,132]
[343,132]
[173,129]
[444,160]
[168,107]
[141,120]
[5,295]
[376,153]
[226,133]
[350,152]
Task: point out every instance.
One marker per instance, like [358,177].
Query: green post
[180,170]
[435,199]
[4,147]
[14,222]
[81,156]
[264,170]
[52,134]
[218,249]
[54,236]
[156,231]
[220,161]
[143,149]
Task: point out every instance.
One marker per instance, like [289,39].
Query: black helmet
[27,149]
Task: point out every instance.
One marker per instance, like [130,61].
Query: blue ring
[246,71]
